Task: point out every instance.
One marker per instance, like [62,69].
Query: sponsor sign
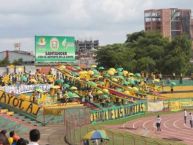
[54,49]
[25,88]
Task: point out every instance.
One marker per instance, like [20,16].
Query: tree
[150,52]
[4,62]
[177,55]
[18,62]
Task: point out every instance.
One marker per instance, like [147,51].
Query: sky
[108,21]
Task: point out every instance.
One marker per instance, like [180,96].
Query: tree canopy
[148,52]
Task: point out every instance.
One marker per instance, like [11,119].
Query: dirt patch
[129,128]
[173,139]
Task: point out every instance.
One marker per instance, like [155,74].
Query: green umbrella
[101,83]
[137,75]
[132,82]
[24,78]
[92,84]
[66,85]
[106,75]
[77,67]
[72,95]
[101,68]
[59,81]
[104,96]
[119,89]
[119,69]
[173,84]
[120,77]
[120,73]
[126,83]
[39,90]
[75,74]
[95,72]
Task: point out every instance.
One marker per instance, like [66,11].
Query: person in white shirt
[34,136]
[185,115]
[90,96]
[158,123]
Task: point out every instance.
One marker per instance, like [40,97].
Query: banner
[155,106]
[25,88]
[13,101]
[186,104]
[175,106]
[57,109]
[54,49]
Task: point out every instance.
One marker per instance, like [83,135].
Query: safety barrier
[118,112]
[177,104]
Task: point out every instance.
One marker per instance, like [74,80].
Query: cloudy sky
[106,20]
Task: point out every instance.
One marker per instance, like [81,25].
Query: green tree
[18,62]
[4,62]
[148,52]
[177,56]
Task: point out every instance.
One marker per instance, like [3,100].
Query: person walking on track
[185,115]
[191,118]
[158,123]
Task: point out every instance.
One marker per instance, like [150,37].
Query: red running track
[172,128]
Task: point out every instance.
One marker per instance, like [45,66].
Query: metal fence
[77,124]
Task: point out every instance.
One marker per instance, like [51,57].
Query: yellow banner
[18,103]
[175,106]
[186,103]
[56,109]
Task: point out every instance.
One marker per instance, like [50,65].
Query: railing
[118,112]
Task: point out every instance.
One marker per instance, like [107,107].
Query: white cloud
[106,20]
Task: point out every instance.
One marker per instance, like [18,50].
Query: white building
[26,57]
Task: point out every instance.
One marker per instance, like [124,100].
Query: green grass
[118,137]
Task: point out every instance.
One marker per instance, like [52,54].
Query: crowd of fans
[14,139]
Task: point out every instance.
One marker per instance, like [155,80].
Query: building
[85,53]
[15,55]
[86,45]
[169,22]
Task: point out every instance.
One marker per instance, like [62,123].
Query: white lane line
[173,132]
[145,129]
[146,123]
[131,122]
[186,126]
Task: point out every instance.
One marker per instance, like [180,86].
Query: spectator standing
[181,78]
[174,76]
[10,139]
[160,76]
[90,96]
[34,136]
[22,141]
[4,132]
[3,139]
